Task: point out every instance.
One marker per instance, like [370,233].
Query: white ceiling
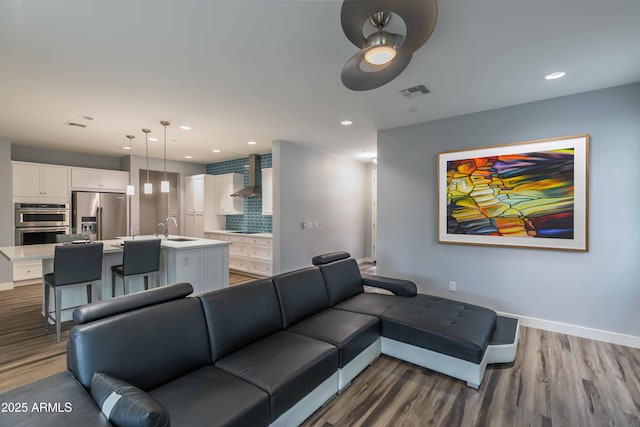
[265,70]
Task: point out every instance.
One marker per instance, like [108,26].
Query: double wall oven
[38,223]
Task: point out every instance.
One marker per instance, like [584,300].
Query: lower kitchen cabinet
[27,270]
[248,253]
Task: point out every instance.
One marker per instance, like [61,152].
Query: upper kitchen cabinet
[195,194]
[99,180]
[227,184]
[267,191]
[34,182]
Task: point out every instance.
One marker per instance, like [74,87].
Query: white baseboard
[578,331]
[6,286]
[363,260]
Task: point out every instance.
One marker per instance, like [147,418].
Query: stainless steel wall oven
[38,223]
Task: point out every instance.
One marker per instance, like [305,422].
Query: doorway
[374,212]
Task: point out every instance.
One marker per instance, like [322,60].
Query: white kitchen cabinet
[200,209]
[205,268]
[27,270]
[267,191]
[195,224]
[99,180]
[227,184]
[37,181]
[249,253]
[195,193]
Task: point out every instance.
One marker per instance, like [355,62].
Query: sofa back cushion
[342,279]
[301,293]
[145,347]
[240,315]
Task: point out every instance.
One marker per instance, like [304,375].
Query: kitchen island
[202,262]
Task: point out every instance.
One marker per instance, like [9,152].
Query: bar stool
[140,258]
[73,265]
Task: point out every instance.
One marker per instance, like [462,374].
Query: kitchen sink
[180,239]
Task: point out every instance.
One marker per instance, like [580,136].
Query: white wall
[311,185]
[6,209]
[599,289]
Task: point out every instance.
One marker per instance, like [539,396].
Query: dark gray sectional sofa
[265,353]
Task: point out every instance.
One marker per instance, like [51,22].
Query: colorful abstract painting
[512,196]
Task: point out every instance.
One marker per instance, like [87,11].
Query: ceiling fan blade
[419,17]
[359,75]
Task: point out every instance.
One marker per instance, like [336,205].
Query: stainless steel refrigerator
[101,216]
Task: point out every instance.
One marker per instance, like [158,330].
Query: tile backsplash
[252,220]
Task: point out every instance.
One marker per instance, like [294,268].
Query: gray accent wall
[26,153]
[6,209]
[599,289]
[181,168]
[312,185]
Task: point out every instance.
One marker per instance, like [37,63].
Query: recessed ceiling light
[346,123]
[216,150]
[252,143]
[126,148]
[183,127]
[188,157]
[153,139]
[555,75]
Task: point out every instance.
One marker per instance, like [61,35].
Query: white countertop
[39,252]
[235,233]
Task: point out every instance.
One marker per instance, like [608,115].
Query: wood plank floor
[555,380]
[28,352]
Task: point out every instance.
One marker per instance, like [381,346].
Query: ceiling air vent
[80,125]
[412,92]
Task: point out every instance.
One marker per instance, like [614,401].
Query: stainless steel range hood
[252,190]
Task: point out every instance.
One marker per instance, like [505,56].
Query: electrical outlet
[452,286]
[315,224]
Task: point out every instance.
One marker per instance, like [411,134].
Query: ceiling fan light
[380,55]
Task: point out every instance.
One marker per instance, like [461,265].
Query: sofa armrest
[404,288]
[58,400]
[126,405]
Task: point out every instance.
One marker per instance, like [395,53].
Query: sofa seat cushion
[445,326]
[285,365]
[350,332]
[373,304]
[210,396]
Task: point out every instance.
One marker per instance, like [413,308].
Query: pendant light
[148,186]
[131,189]
[164,185]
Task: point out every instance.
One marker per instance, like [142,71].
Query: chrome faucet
[166,225]
[164,228]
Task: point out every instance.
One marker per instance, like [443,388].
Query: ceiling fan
[383,55]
